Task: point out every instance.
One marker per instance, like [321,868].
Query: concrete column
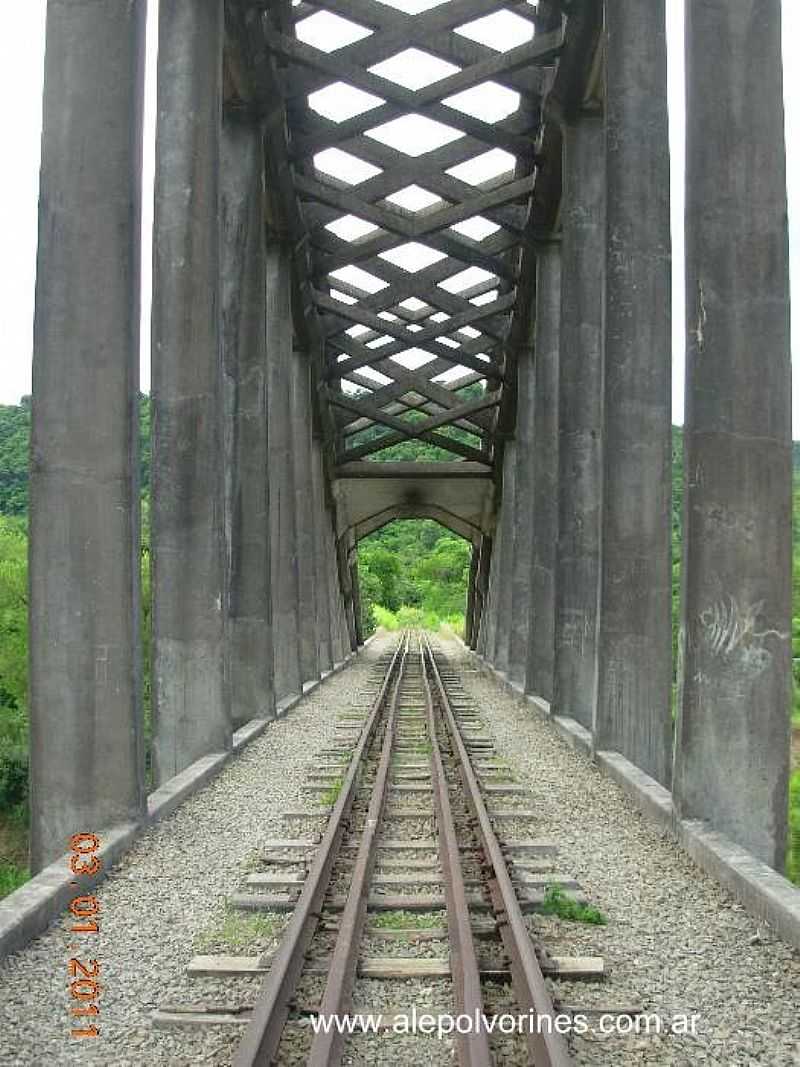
[486,645]
[521,577]
[86,750]
[470,617]
[304,516]
[481,592]
[541,649]
[191,713]
[249,623]
[633,706]
[325,654]
[506,571]
[732,748]
[580,414]
[285,583]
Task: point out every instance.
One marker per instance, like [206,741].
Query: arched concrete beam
[441,515]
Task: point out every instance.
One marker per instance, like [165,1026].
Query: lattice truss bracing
[402,144]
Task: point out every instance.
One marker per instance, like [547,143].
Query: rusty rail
[545,1048]
[263,1033]
[473,1048]
[326,1050]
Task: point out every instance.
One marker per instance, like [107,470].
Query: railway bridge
[381,222]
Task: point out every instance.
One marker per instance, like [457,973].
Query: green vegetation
[331,794]
[556,902]
[413,573]
[239,930]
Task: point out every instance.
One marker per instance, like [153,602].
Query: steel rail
[473,1047]
[327,1047]
[271,1010]
[546,1048]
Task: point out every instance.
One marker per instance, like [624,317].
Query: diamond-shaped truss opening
[488,101]
[328,32]
[452,374]
[414,198]
[448,342]
[413,303]
[440,316]
[470,332]
[388,316]
[414,69]
[412,256]
[379,342]
[414,328]
[344,167]
[359,278]
[343,298]
[484,298]
[412,358]
[486,167]
[373,375]
[340,101]
[414,135]
[412,7]
[477,228]
[351,228]
[465,279]
[357,331]
[502,30]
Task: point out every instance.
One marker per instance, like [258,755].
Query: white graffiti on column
[728,625]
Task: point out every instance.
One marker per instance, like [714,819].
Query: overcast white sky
[21,56]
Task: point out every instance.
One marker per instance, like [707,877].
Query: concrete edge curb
[762,891]
[29,910]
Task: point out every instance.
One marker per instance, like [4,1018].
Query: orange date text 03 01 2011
[84,987]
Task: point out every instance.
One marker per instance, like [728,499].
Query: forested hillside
[411,572]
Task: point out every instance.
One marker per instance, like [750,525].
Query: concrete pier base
[86,754]
[732,751]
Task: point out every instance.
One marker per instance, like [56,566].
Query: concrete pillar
[325,654]
[634,687]
[486,643]
[541,649]
[304,516]
[249,623]
[86,754]
[481,593]
[470,617]
[732,747]
[506,571]
[580,414]
[285,584]
[191,713]
[521,576]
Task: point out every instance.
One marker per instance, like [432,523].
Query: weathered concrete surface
[249,622]
[322,576]
[522,570]
[634,674]
[732,753]
[580,416]
[539,667]
[191,714]
[284,565]
[301,416]
[85,687]
[505,571]
[481,590]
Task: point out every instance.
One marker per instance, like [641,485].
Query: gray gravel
[676,942]
[169,891]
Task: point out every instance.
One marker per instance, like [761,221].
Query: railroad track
[409,860]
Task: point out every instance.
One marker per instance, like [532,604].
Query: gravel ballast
[169,891]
